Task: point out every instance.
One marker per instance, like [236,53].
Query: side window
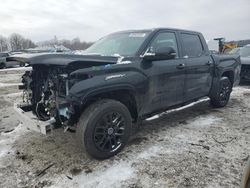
[164,39]
[192,46]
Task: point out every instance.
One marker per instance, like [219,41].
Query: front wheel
[223,94]
[104,128]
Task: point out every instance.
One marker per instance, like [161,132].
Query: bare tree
[55,40]
[85,45]
[74,44]
[3,44]
[66,43]
[16,41]
[27,43]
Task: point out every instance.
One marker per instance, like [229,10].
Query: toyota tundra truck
[122,79]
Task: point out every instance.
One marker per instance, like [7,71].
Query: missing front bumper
[30,121]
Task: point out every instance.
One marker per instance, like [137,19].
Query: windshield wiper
[116,55]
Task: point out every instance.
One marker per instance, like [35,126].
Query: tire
[98,134]
[223,94]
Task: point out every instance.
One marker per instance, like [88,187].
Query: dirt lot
[195,147]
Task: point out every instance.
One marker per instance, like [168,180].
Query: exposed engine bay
[47,85]
[41,89]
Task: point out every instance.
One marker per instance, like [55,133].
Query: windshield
[118,44]
[245,51]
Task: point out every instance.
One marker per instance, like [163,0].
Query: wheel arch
[215,85]
[229,74]
[124,94]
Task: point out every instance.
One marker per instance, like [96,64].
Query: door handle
[181,66]
[209,63]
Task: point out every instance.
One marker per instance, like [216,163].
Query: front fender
[132,81]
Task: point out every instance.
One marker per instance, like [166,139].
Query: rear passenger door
[198,66]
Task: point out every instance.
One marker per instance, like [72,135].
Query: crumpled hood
[63,59]
[245,60]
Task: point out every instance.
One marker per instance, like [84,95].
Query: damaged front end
[46,88]
[44,92]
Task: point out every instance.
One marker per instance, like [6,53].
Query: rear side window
[191,44]
[164,39]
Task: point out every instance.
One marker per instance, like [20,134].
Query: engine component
[41,89]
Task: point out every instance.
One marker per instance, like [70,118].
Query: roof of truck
[157,29]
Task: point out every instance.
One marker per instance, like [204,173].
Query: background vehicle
[6,62]
[244,53]
[225,47]
[235,51]
[245,61]
[124,78]
[230,46]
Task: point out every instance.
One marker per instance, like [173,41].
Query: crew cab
[123,79]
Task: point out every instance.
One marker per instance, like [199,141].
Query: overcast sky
[91,19]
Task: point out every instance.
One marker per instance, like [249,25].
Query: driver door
[166,77]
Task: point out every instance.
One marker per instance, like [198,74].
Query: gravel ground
[198,146]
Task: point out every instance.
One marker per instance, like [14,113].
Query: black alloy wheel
[223,94]
[109,132]
[104,128]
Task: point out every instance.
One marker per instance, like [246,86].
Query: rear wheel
[104,128]
[223,94]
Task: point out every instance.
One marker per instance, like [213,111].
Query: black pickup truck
[124,78]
